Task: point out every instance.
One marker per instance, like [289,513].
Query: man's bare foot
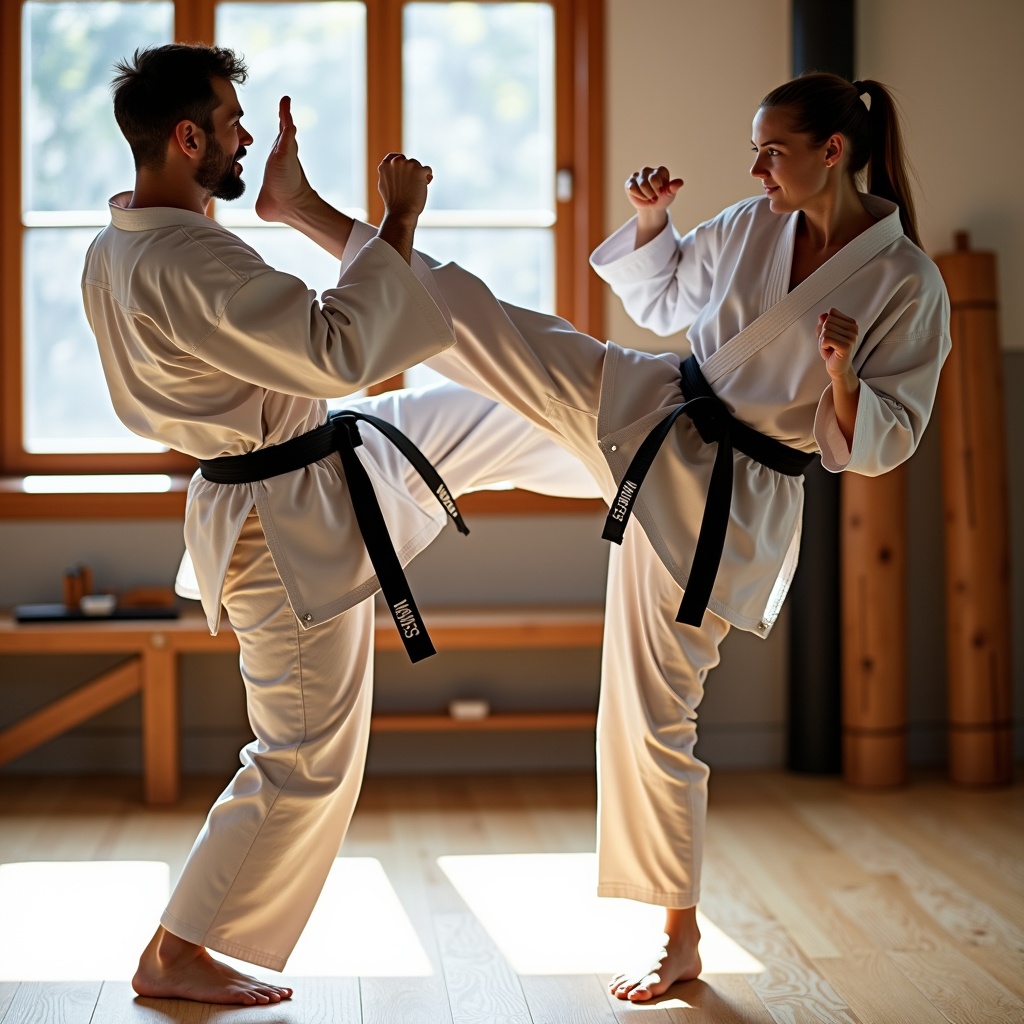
[678,960]
[171,968]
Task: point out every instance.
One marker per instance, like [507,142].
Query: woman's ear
[834,149]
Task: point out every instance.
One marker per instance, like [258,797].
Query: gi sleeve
[664,284]
[421,263]
[898,363]
[378,321]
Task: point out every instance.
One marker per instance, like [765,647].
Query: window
[501,98]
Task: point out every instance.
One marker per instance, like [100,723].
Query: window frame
[579,148]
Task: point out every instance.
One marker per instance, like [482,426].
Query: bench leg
[160,726]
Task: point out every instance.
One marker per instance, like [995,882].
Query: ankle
[169,948]
[681,925]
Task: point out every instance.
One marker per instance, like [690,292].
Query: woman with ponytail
[817,320]
[817,328]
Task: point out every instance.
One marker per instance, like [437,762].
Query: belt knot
[710,417]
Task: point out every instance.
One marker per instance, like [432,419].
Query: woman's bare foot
[171,968]
[678,960]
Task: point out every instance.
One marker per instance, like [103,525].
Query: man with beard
[210,351]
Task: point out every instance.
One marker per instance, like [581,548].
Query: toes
[646,988]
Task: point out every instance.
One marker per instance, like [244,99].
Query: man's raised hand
[403,186]
[285,186]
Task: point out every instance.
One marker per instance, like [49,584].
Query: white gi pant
[652,790]
[261,859]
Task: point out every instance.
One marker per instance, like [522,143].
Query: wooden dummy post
[977,529]
[873,567]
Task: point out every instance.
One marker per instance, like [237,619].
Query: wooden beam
[535,720]
[160,740]
[76,707]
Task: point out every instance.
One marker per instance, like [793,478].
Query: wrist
[401,216]
[651,220]
[847,382]
[649,224]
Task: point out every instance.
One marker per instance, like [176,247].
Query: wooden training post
[873,567]
[976,501]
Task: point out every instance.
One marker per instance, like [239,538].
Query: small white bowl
[469,710]
[97,604]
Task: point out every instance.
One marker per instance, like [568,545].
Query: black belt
[341,434]
[714,422]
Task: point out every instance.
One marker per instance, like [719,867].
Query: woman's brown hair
[820,105]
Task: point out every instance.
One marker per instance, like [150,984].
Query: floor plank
[118,1004]
[959,988]
[53,1002]
[721,999]
[482,987]
[7,993]
[992,877]
[567,999]
[878,991]
[961,917]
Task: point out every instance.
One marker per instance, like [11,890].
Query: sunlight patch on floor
[358,928]
[542,913]
[78,921]
[89,921]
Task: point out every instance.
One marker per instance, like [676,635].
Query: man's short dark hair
[163,85]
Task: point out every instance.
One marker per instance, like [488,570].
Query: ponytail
[887,170]
[820,105]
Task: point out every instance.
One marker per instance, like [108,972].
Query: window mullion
[193,21]
[588,146]
[383,93]
[10,241]
[383,111]
[566,255]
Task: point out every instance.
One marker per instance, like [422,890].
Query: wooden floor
[461,901]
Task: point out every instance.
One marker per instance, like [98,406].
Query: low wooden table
[151,668]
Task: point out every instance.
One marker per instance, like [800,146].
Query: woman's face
[792,169]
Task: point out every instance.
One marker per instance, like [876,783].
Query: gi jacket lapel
[810,292]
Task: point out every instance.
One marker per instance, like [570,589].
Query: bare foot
[678,960]
[171,968]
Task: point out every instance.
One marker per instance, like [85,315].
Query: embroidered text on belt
[714,422]
[341,434]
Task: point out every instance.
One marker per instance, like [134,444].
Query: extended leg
[537,364]
[474,443]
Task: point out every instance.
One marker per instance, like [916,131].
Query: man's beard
[213,177]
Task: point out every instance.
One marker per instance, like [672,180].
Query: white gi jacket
[210,351]
[757,345]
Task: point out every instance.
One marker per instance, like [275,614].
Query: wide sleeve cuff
[835,452]
[362,234]
[618,262]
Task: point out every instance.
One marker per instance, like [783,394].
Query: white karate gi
[756,342]
[210,351]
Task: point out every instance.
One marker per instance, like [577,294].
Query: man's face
[219,172]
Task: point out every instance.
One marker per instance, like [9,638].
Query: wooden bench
[151,668]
